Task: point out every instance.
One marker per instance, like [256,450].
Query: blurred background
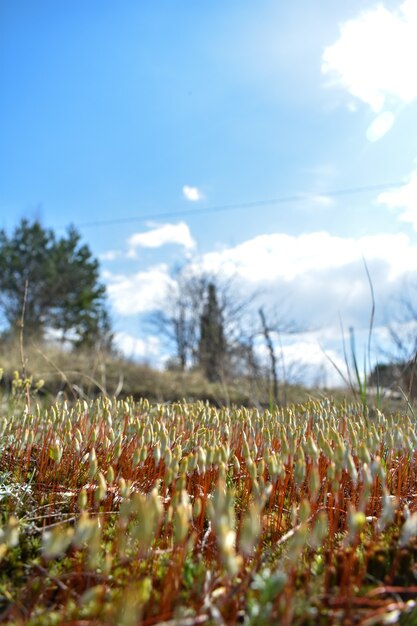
[209,199]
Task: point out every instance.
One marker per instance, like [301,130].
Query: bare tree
[278,371]
[272,356]
[176,318]
[181,319]
[209,323]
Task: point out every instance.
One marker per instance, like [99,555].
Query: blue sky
[143,109]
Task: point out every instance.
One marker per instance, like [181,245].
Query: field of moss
[131,513]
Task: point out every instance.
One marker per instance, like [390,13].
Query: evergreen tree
[212,345]
[64,292]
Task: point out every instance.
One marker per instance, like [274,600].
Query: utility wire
[299,197]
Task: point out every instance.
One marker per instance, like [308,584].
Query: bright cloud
[160,236]
[380,126]
[193,194]
[314,278]
[285,257]
[374,57]
[138,293]
[137,348]
[110,255]
[405,199]
[306,361]
[315,275]
[301,358]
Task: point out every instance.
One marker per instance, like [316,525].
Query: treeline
[52,286]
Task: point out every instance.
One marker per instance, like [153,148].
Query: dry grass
[83,374]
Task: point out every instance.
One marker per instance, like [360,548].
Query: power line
[299,197]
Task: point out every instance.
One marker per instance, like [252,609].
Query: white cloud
[315,366]
[161,235]
[374,57]
[316,357]
[139,293]
[380,126]
[193,194]
[302,359]
[314,279]
[137,348]
[285,257]
[405,199]
[110,255]
[308,279]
